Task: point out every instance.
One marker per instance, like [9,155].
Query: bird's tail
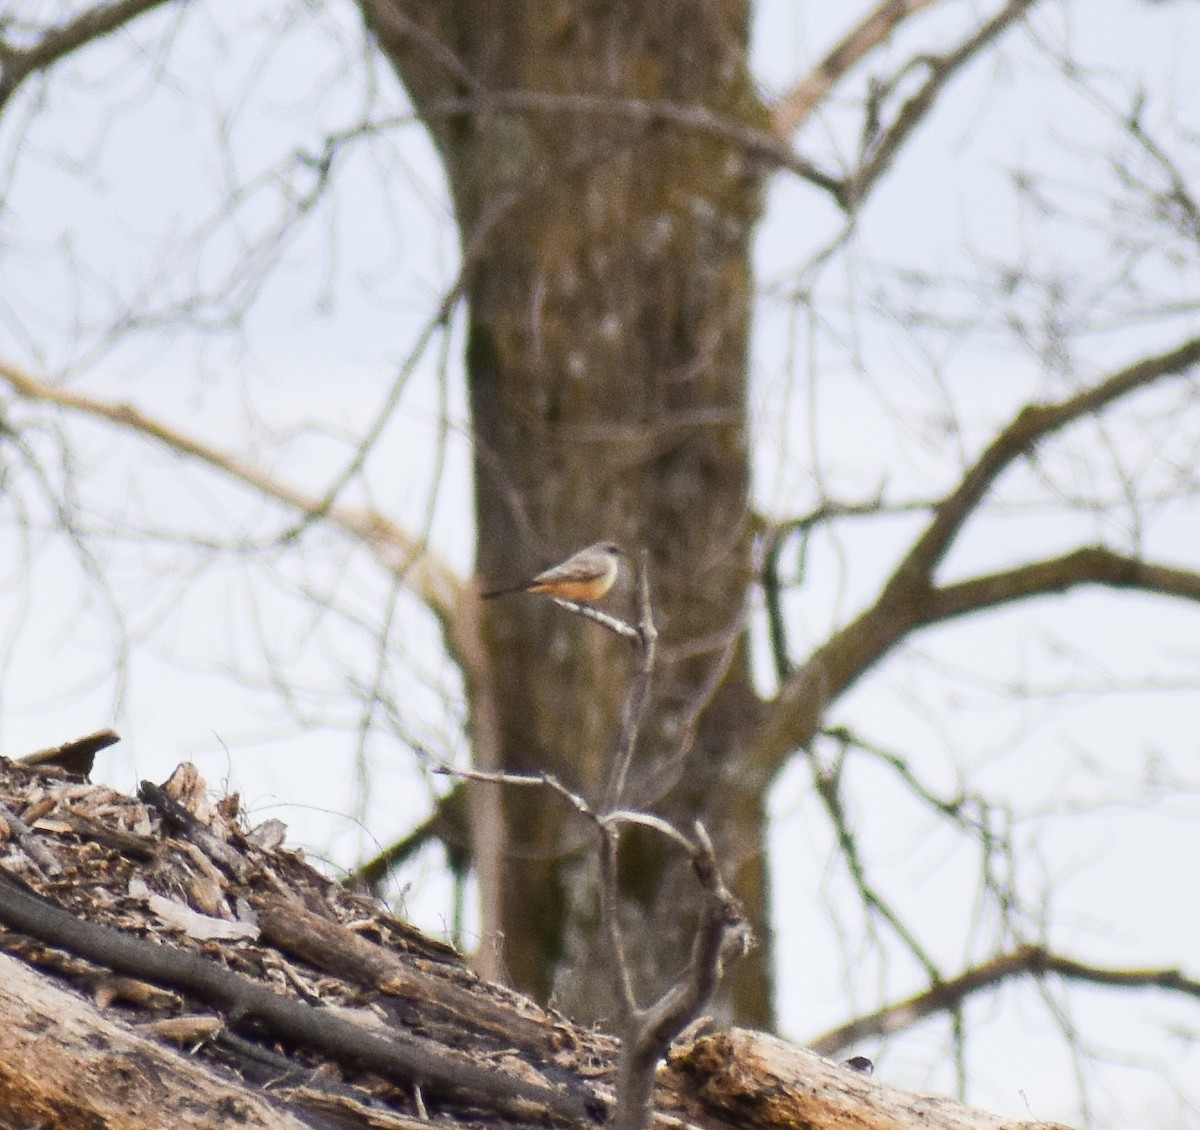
[503,592]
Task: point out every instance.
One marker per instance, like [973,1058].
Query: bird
[585,576]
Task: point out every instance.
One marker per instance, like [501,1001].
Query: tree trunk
[608,259]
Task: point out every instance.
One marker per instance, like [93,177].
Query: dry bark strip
[329,946]
[753,1079]
[63,1063]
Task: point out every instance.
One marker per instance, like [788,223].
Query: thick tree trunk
[609,282]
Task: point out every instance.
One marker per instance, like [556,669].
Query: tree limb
[794,108]
[647,1033]
[1090,565]
[636,702]
[1026,960]
[910,601]
[16,65]
[1031,425]
[425,574]
[942,68]
[722,936]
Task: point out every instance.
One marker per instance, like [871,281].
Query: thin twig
[827,783]
[610,919]
[757,143]
[639,693]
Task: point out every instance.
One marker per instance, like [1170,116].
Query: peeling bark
[64,1063]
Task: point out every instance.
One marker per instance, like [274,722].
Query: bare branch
[1091,565]
[610,922]
[1176,199]
[942,69]
[598,616]
[425,574]
[57,42]
[721,936]
[828,788]
[776,535]
[960,808]
[756,143]
[1179,192]
[664,828]
[1031,425]
[794,108]
[1027,960]
[639,693]
[909,600]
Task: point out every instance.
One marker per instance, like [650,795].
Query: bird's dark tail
[503,592]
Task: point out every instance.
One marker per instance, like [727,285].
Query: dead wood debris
[197,934]
[293,971]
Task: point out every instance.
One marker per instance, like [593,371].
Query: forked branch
[795,107]
[882,145]
[910,600]
[722,934]
[1031,425]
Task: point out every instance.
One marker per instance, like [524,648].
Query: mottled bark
[609,286]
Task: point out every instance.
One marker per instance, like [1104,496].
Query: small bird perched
[585,576]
